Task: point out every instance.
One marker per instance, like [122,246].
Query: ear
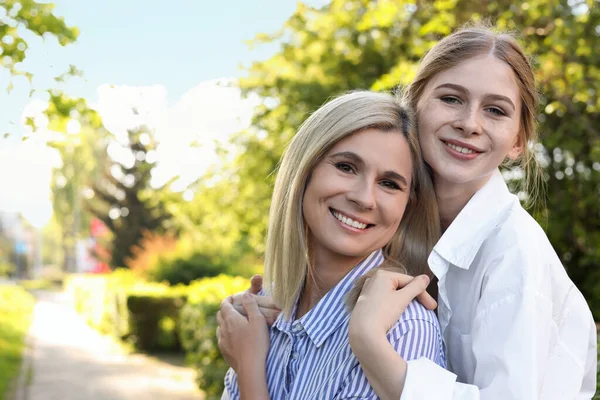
[517,148]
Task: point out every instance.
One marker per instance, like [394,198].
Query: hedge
[198,330]
[120,304]
[158,317]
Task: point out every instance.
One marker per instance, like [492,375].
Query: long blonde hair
[479,40]
[287,259]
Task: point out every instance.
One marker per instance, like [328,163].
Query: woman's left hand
[244,342]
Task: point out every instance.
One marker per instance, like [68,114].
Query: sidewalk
[71,361]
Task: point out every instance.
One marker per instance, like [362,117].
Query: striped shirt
[310,358]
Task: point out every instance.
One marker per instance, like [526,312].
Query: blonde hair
[479,40]
[287,259]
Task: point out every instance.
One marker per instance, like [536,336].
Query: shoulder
[518,244]
[518,261]
[415,317]
[417,334]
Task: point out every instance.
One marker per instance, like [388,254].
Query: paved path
[71,361]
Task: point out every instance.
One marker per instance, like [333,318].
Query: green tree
[82,145]
[19,16]
[354,44]
[124,200]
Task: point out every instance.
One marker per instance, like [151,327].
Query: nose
[363,195]
[469,121]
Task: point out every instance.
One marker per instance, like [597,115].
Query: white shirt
[514,325]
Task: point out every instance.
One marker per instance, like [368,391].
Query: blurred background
[138,141]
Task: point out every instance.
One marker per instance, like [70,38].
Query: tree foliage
[354,44]
[81,144]
[123,198]
[33,17]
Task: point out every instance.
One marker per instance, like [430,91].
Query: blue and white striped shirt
[310,358]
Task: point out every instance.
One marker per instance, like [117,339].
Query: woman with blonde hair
[352,194]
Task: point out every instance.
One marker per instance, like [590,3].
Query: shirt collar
[330,312]
[465,235]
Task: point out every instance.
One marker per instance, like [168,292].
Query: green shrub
[16,308]
[183,269]
[120,304]
[154,319]
[198,329]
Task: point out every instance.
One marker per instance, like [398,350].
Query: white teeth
[460,149]
[348,221]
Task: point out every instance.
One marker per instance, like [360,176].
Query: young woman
[352,193]
[514,325]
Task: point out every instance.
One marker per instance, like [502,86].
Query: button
[295,355]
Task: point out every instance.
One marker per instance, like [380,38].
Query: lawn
[16,306]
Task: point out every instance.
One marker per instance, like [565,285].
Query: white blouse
[514,324]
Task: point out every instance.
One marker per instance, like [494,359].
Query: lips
[461,147]
[461,151]
[351,222]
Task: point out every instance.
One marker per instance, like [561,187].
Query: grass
[16,309]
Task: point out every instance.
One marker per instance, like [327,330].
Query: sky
[173,61]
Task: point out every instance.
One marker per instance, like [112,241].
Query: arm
[416,336]
[244,343]
[370,322]
[510,329]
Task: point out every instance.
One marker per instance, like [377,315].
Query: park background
[138,141]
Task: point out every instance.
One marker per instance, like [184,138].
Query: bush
[153,318]
[122,305]
[102,300]
[16,309]
[183,269]
[163,258]
[198,330]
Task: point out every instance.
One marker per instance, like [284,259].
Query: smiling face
[356,195]
[469,121]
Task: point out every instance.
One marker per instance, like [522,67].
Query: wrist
[252,383]
[365,341]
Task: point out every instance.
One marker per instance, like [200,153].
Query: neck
[453,197]
[328,271]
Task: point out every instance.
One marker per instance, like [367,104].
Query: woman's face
[357,194]
[469,120]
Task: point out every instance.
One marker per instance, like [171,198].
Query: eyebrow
[358,159]
[464,91]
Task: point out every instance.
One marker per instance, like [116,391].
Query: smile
[460,149]
[349,221]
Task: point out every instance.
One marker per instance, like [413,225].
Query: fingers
[251,307]
[263,301]
[255,284]
[227,310]
[266,302]
[411,290]
[270,314]
[427,301]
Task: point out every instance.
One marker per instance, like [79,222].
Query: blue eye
[496,111]
[450,100]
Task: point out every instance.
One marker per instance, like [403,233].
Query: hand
[244,342]
[265,303]
[383,299]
